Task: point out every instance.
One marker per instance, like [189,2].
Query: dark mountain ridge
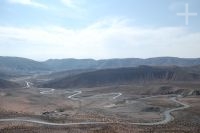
[117,76]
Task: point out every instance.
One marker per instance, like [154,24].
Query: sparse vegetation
[96,102]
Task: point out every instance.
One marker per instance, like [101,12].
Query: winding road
[73,95]
[116,95]
[47,92]
[27,84]
[167,113]
[31,120]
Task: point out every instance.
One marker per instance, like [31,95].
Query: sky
[98,29]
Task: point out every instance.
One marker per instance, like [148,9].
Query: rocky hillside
[140,74]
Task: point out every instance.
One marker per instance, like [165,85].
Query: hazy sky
[42,29]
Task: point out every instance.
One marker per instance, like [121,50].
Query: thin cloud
[73,4]
[69,3]
[115,40]
[177,6]
[28,3]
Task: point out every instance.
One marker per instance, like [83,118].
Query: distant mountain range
[16,65]
[69,64]
[120,76]
[67,73]
[23,65]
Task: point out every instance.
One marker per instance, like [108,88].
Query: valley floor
[156,107]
